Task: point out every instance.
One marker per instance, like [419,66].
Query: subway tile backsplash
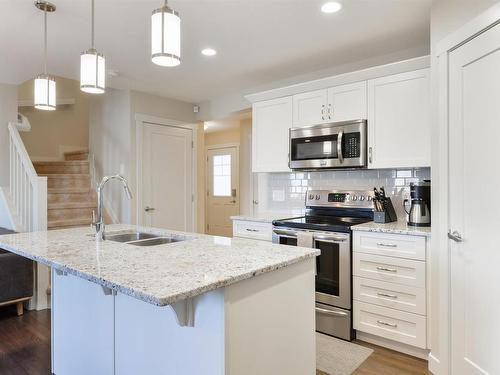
[287,191]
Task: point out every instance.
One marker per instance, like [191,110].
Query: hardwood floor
[25,349]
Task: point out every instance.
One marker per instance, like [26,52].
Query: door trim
[140,120]
[440,277]
[205,187]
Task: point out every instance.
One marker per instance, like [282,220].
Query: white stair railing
[28,191]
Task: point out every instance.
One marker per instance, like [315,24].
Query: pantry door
[223,199]
[474,136]
[167,177]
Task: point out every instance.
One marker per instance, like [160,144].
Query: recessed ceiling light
[331,7]
[209,52]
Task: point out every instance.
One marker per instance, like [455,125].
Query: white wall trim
[224,145]
[470,30]
[434,364]
[342,79]
[142,119]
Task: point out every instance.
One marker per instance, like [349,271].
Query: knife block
[386,216]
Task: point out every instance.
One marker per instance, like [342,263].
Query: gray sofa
[16,278]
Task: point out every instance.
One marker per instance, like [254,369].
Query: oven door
[333,269]
[285,236]
[338,145]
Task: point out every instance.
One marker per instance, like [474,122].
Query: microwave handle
[339,146]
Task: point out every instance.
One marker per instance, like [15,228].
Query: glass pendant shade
[165,37]
[92,72]
[45,93]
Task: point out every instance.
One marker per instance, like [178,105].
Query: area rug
[339,357]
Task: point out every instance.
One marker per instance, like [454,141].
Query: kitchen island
[198,305]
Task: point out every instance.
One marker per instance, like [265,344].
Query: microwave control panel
[351,145]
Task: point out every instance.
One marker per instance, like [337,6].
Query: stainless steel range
[327,226]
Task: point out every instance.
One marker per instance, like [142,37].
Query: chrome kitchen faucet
[98,222]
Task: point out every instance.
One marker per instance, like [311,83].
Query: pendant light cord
[45,41]
[92,42]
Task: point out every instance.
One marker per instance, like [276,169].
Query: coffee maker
[419,214]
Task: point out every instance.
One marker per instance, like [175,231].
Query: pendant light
[165,36]
[92,66]
[45,86]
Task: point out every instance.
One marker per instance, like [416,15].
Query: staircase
[70,198]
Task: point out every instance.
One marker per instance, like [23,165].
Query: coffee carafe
[419,214]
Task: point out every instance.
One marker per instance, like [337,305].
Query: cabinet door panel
[399,120]
[309,108]
[347,102]
[82,327]
[272,120]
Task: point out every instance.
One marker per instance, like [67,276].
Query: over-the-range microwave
[329,146]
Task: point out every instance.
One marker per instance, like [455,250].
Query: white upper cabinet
[347,102]
[399,120]
[339,103]
[272,120]
[310,108]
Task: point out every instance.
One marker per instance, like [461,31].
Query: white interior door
[222,190]
[167,177]
[474,133]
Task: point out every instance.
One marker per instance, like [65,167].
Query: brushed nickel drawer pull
[251,230]
[387,269]
[387,324]
[387,244]
[387,295]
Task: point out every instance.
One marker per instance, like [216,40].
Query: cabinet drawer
[253,230]
[393,270]
[394,245]
[391,324]
[396,296]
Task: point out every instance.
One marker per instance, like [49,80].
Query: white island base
[263,325]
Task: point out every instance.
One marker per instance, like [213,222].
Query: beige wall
[8,112]
[113,139]
[447,16]
[222,137]
[54,132]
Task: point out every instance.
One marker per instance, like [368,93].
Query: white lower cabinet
[254,230]
[389,292]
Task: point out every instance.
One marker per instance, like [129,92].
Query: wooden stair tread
[73,190]
[78,152]
[65,175]
[70,205]
[68,223]
[61,162]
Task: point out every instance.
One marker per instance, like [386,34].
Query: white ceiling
[258,41]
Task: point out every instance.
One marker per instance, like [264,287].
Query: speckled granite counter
[398,227]
[268,217]
[162,274]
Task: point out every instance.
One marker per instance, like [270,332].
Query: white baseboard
[393,345]
[434,364]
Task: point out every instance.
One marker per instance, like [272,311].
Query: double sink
[142,238]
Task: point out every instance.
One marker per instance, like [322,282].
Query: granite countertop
[162,274]
[397,227]
[268,217]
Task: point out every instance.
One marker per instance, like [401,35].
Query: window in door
[221,176]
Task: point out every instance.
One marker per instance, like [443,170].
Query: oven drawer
[333,321]
[394,245]
[391,324]
[396,296]
[393,270]
[252,229]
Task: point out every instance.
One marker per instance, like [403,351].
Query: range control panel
[340,198]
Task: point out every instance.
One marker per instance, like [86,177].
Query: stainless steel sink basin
[143,239]
[156,241]
[129,236]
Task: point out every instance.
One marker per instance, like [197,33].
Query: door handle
[387,269]
[455,236]
[370,155]
[339,147]
[330,312]
[387,324]
[149,209]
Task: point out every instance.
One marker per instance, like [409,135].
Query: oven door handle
[339,147]
[330,312]
[285,233]
[329,239]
